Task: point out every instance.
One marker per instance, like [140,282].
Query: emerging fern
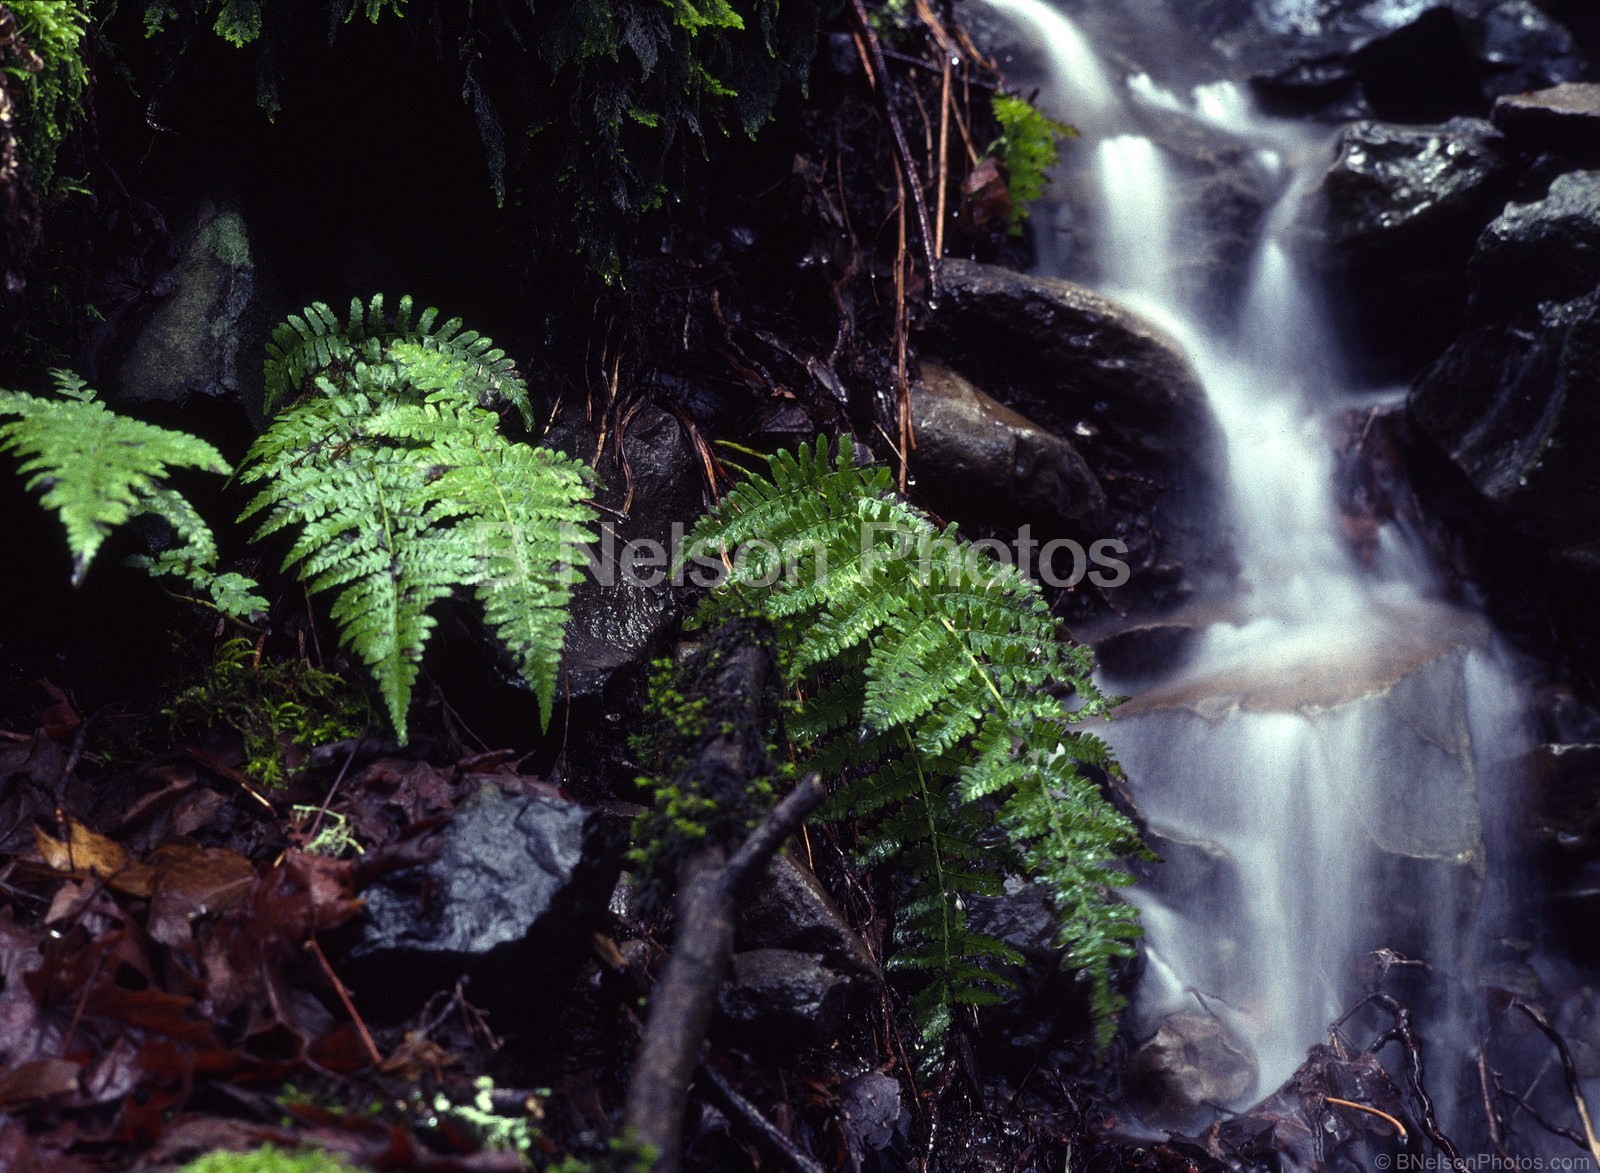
[400,488]
[98,470]
[926,671]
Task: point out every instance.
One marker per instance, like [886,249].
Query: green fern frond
[424,354]
[96,469]
[390,470]
[929,678]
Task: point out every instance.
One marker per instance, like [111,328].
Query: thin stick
[1569,1069]
[880,72]
[746,1112]
[344,998]
[1398,1127]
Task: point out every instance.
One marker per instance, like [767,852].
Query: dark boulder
[781,999]
[789,909]
[1047,1004]
[1520,46]
[1400,210]
[203,337]
[513,888]
[624,608]
[976,459]
[1564,120]
[1400,60]
[1403,60]
[1565,782]
[1073,360]
[1514,404]
[1123,393]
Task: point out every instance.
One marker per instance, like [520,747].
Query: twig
[1403,1033]
[1569,1069]
[344,998]
[879,76]
[1491,1115]
[686,997]
[1398,1127]
[748,1114]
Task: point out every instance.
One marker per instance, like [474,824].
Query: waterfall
[1314,774]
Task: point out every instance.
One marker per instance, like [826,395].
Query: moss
[269,1159]
[1028,146]
[279,710]
[48,82]
[229,241]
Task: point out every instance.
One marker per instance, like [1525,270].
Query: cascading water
[1312,776]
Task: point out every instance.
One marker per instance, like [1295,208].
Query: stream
[1324,774]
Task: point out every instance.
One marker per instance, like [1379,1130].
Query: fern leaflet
[391,471]
[97,470]
[924,671]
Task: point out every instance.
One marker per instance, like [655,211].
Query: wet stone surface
[513,888]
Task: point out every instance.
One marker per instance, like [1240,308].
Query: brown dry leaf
[986,193]
[89,854]
[193,881]
[58,720]
[38,1079]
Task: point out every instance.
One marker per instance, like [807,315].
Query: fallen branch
[1405,1034]
[740,1109]
[686,997]
[1569,1069]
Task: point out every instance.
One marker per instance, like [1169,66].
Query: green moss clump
[278,709]
[1029,146]
[689,708]
[47,82]
[268,1159]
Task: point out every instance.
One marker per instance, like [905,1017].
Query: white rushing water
[1312,775]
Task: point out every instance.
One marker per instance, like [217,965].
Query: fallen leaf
[986,193]
[38,1079]
[88,854]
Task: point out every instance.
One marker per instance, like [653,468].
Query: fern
[428,353]
[1029,145]
[391,472]
[926,673]
[97,470]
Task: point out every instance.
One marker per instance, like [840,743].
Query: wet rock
[1146,650]
[782,998]
[192,342]
[789,909]
[1564,718]
[1073,360]
[1514,403]
[1047,1003]
[1406,60]
[1566,839]
[875,1124]
[1189,1063]
[1400,210]
[623,611]
[1564,120]
[1411,60]
[513,888]
[1566,779]
[1520,46]
[976,459]
[1083,367]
